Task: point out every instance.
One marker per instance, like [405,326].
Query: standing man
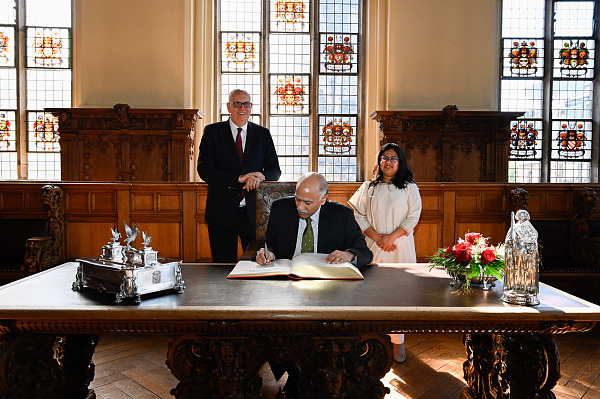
[235,156]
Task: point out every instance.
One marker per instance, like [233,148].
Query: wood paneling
[450,145]
[173,214]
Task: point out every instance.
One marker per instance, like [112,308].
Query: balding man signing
[309,222]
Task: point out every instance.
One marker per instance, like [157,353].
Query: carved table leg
[74,354]
[515,366]
[29,369]
[227,367]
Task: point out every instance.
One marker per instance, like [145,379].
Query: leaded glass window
[548,71]
[28,135]
[300,61]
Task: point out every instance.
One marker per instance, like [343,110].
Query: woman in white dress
[387,209]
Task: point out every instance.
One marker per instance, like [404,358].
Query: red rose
[463,256]
[487,256]
[462,246]
[472,237]
[449,251]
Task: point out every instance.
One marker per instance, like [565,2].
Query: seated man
[311,223]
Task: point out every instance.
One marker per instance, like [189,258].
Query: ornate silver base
[126,280]
[520,299]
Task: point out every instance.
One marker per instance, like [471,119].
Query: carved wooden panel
[450,145]
[124,144]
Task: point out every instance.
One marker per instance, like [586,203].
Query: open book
[306,265]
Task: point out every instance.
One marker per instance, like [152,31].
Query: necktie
[240,151]
[308,239]
[238,145]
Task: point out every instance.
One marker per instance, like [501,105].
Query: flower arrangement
[470,258]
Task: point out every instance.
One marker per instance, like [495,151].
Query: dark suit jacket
[219,166]
[337,230]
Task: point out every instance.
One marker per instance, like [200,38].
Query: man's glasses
[389,159]
[238,104]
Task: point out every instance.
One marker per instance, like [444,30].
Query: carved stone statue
[521,272]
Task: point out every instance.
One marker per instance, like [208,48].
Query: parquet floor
[134,367]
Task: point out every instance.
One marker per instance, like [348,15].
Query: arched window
[548,71]
[29,140]
[300,61]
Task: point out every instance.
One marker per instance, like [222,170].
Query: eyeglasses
[238,104]
[389,159]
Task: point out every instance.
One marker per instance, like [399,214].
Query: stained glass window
[45,73]
[304,78]
[552,142]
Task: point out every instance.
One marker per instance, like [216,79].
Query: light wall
[135,52]
[418,55]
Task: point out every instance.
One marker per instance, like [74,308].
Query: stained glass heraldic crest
[307,96]
[45,73]
[554,85]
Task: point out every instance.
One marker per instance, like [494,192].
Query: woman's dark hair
[403,176]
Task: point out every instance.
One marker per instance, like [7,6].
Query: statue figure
[521,271]
[147,238]
[115,235]
[131,232]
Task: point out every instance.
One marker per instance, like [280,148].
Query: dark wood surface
[405,296]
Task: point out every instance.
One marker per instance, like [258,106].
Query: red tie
[240,151]
[238,145]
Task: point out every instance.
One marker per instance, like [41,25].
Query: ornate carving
[518,199]
[585,249]
[74,355]
[122,118]
[511,366]
[266,193]
[44,252]
[450,112]
[227,367]
[28,368]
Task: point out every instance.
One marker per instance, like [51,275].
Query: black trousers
[224,240]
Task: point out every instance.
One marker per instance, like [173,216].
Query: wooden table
[224,330]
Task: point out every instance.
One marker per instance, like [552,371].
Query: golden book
[301,266]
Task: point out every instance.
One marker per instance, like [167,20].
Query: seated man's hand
[339,257]
[262,260]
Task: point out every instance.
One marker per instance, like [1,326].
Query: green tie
[308,239]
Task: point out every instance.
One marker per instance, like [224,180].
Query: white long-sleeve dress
[385,208]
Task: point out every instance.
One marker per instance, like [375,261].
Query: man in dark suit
[235,156]
[332,229]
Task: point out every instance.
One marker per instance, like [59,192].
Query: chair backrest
[266,193]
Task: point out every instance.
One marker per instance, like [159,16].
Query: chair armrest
[250,252]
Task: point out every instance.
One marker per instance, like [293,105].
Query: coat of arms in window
[291,13]
[4,41]
[4,131]
[573,59]
[523,139]
[290,94]
[47,48]
[337,137]
[571,140]
[523,58]
[241,53]
[338,54]
[46,131]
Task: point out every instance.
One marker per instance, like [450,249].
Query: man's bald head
[311,193]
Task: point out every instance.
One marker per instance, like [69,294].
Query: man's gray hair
[236,91]
[323,185]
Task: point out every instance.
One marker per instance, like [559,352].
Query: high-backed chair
[266,193]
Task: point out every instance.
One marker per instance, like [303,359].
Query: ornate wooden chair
[31,243]
[266,193]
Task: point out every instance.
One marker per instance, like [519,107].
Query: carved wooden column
[451,145]
[124,144]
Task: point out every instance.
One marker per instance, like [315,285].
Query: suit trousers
[224,240]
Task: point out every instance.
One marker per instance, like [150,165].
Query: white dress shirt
[234,133]
[302,226]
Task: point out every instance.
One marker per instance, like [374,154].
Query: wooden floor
[134,367]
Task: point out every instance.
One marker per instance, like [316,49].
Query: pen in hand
[268,262]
